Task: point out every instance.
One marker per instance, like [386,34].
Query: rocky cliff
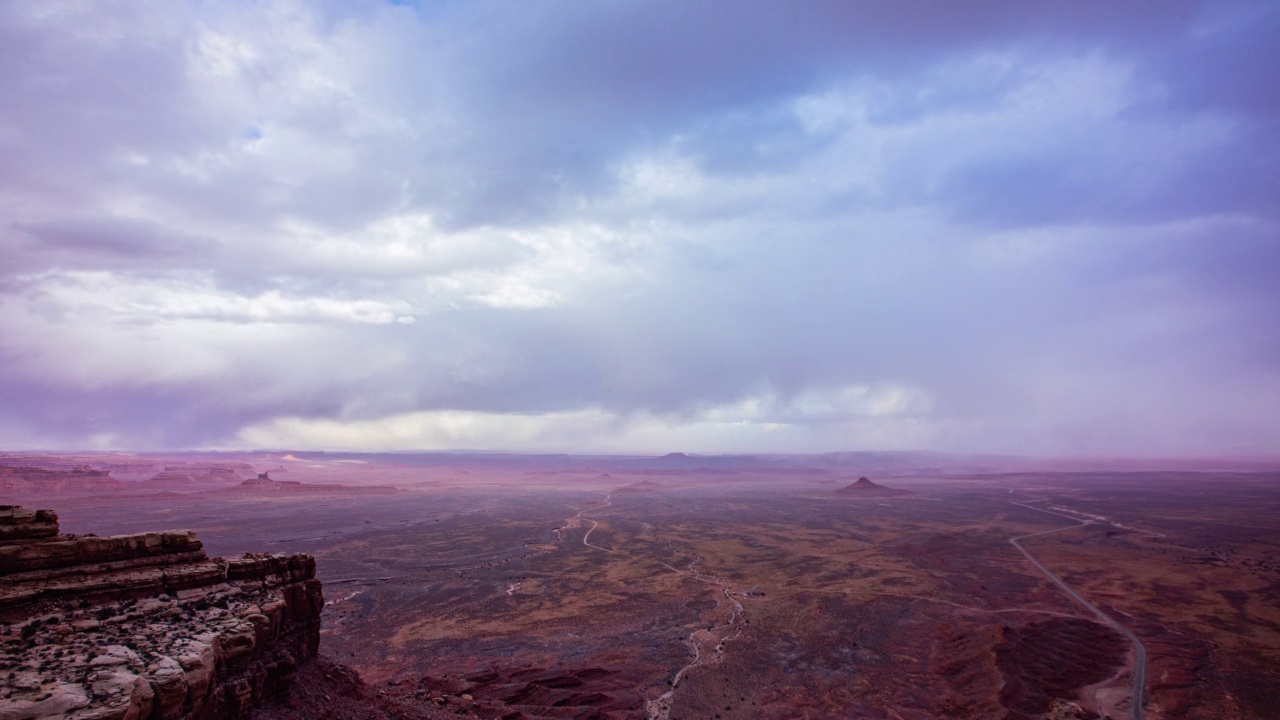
[145,626]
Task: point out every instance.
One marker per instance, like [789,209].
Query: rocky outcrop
[20,525]
[863,487]
[145,626]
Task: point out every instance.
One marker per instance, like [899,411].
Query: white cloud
[817,419]
[824,404]
[100,331]
[98,297]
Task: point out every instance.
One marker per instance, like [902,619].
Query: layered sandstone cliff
[145,626]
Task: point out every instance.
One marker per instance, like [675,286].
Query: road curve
[1140,661]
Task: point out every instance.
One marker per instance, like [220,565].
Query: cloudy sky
[619,225]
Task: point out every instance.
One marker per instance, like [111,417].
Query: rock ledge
[145,626]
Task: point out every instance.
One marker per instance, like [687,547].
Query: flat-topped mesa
[189,478]
[38,481]
[265,480]
[263,484]
[145,626]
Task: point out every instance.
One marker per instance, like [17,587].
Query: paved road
[1140,662]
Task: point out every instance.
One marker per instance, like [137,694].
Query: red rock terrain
[497,589]
[540,693]
[145,626]
[1045,664]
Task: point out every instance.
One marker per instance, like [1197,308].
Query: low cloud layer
[1011,227]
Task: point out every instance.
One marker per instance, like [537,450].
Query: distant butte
[640,487]
[191,478]
[863,487]
[264,485]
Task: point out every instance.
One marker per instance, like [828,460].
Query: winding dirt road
[1140,659]
[659,708]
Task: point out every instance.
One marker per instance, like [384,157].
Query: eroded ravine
[659,708]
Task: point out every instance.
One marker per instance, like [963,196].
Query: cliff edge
[145,626]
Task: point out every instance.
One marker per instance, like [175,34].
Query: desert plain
[690,587]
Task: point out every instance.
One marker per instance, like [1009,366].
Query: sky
[1046,228]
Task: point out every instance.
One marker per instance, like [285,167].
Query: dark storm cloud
[98,242]
[999,226]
